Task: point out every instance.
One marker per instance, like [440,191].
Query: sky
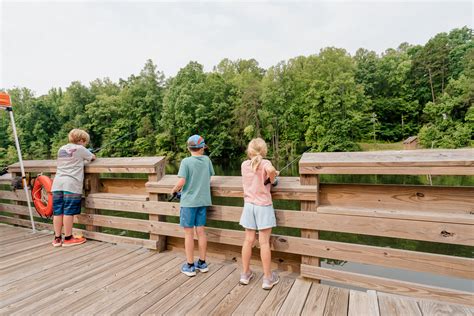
[50,44]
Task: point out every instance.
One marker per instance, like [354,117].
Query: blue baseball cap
[196,141]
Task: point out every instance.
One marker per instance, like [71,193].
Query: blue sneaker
[201,267]
[189,271]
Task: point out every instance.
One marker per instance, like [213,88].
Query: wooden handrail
[100,165]
[410,162]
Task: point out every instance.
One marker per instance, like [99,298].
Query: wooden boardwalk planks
[101,278]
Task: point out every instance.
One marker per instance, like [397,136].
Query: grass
[381,146]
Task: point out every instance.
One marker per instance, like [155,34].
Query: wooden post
[92,184]
[160,239]
[310,206]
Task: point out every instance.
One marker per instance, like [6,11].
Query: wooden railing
[428,213]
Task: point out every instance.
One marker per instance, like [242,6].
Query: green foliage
[328,101]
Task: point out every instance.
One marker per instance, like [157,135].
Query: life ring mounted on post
[42,196]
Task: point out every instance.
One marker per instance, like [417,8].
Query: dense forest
[328,101]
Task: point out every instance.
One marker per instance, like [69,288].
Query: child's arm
[271,172]
[179,185]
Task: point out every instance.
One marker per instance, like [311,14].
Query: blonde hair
[76,135]
[256,151]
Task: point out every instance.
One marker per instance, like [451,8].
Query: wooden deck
[103,278]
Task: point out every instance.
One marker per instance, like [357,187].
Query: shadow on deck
[103,278]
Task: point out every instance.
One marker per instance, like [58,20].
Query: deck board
[106,279]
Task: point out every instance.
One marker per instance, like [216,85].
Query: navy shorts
[66,203]
[192,216]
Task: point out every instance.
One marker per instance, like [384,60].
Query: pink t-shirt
[255,191]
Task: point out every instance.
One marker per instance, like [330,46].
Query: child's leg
[202,241]
[58,225]
[265,253]
[189,244]
[68,221]
[247,249]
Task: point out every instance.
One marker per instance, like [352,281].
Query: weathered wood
[373,302]
[397,214]
[205,288]
[209,301]
[310,206]
[337,302]
[159,239]
[100,165]
[392,305]
[439,229]
[316,301]
[419,198]
[276,297]
[389,285]
[117,239]
[294,303]
[106,297]
[39,291]
[288,188]
[252,302]
[181,292]
[432,308]
[358,303]
[231,302]
[69,297]
[418,261]
[461,171]
[117,197]
[92,186]
[435,162]
[123,186]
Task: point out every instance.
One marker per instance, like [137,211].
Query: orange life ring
[44,208]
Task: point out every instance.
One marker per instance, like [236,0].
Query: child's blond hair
[76,135]
[256,151]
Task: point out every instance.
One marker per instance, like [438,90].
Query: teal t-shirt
[197,170]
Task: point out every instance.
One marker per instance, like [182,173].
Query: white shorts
[258,217]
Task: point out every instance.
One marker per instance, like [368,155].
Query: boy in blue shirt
[195,185]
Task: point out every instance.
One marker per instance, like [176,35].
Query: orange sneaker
[74,241]
[57,242]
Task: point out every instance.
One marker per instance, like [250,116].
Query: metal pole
[23,176]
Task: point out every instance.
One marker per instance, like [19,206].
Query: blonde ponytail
[256,151]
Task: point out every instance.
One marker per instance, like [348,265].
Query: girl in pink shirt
[258,213]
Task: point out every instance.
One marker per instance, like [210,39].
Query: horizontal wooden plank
[442,171]
[289,188]
[410,260]
[117,197]
[444,232]
[146,243]
[17,195]
[398,214]
[388,285]
[391,158]
[399,197]
[25,222]
[150,244]
[123,186]
[100,165]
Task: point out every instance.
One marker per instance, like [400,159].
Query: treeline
[327,101]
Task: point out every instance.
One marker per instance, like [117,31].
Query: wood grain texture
[389,285]
[288,188]
[100,165]
[443,162]
[416,198]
